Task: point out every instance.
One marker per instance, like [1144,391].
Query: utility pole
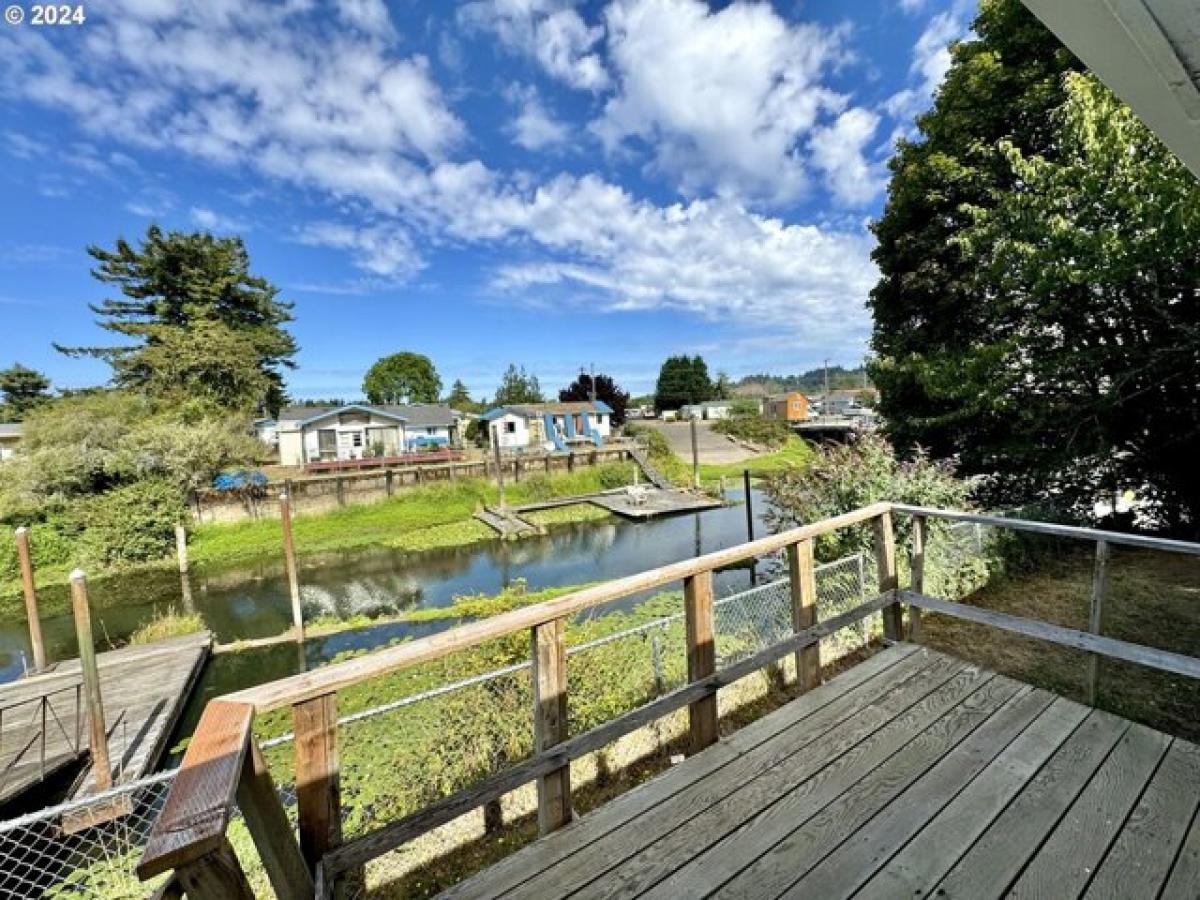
[825,402]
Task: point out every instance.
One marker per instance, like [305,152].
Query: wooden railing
[223,764]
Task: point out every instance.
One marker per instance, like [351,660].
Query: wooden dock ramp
[43,719]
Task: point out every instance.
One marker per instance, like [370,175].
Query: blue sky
[535,181]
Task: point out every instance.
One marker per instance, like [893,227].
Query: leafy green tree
[21,389]
[460,398]
[682,380]
[607,390]
[206,360]
[722,387]
[929,308]
[179,285]
[517,386]
[1093,261]
[403,378]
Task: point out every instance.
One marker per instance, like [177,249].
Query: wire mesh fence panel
[752,620]
[842,585]
[86,848]
[956,559]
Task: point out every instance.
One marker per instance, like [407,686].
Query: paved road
[713,446]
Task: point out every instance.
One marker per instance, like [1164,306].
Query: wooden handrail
[1143,541]
[1151,657]
[332,678]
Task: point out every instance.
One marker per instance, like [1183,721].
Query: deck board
[912,775]
[1143,854]
[921,863]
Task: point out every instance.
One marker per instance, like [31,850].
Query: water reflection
[252,601]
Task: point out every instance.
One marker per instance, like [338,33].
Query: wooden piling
[499,463]
[695,456]
[181,551]
[289,559]
[549,650]
[31,602]
[97,732]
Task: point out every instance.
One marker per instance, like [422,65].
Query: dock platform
[913,774]
[43,727]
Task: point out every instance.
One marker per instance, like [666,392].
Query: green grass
[421,519]
[169,624]
[794,453]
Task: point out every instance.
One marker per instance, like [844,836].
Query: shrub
[843,478]
[128,524]
[749,426]
[613,475]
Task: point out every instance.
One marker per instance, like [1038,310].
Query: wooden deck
[144,689]
[913,774]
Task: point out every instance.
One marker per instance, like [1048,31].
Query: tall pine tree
[172,284]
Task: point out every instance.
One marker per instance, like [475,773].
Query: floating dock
[43,718]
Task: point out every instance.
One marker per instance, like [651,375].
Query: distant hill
[810,382]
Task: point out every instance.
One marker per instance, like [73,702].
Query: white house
[10,436]
[711,409]
[549,426]
[357,431]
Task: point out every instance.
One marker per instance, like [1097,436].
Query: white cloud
[245,88]
[228,82]
[369,15]
[930,61]
[839,151]
[534,128]
[382,250]
[214,221]
[721,99]
[911,6]
[549,31]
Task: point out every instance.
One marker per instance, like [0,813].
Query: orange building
[791,407]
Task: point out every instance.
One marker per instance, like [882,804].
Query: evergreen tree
[21,389]
[518,387]
[403,378]
[606,389]
[460,398]
[174,282]
[682,380]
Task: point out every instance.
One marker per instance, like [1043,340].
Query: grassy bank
[796,452]
[1151,601]
[425,518]
[421,519]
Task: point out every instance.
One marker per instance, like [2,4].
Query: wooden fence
[223,763]
[322,493]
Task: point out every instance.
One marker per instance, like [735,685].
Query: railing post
[289,561]
[549,651]
[217,875]
[318,779]
[1095,614]
[917,565]
[98,734]
[31,602]
[885,562]
[803,581]
[268,825]
[701,656]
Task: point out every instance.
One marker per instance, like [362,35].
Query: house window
[356,439]
[431,431]
[510,427]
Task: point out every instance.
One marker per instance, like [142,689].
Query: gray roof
[416,414]
[10,429]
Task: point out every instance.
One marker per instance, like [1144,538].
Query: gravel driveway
[713,447]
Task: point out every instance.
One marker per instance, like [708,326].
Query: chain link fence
[419,735]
